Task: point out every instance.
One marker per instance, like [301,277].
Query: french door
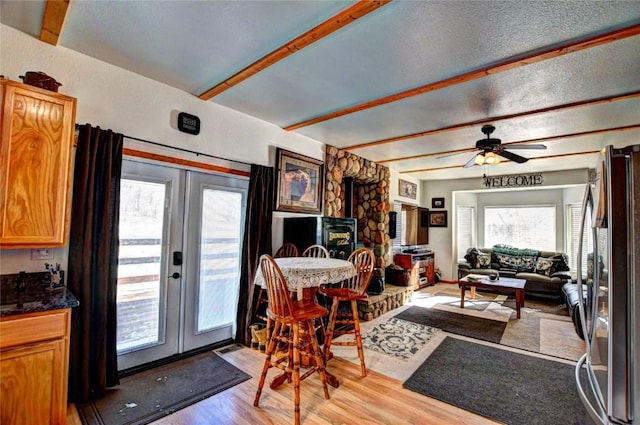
[179,260]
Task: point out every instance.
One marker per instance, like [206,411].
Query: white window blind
[574,215]
[465,229]
[532,227]
[397,241]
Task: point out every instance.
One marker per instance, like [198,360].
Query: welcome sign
[522,180]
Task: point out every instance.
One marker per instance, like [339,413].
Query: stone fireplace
[360,187]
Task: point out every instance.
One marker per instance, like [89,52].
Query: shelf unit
[420,266]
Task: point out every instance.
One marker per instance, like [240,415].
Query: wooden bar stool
[293,328]
[317,251]
[351,290]
[286,250]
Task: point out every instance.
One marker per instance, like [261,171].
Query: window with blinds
[465,230]
[397,242]
[574,215]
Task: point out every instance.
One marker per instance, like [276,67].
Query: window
[531,227]
[574,215]
[399,240]
[465,230]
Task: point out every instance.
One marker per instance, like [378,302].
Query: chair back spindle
[286,250]
[279,299]
[363,260]
[316,251]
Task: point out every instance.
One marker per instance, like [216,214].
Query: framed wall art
[407,189]
[437,202]
[437,218]
[299,186]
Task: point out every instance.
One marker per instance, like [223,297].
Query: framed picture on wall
[437,202]
[407,189]
[437,218]
[299,185]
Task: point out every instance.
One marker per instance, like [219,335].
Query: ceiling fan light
[490,158]
[496,160]
[479,159]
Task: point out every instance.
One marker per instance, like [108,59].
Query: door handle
[175,275]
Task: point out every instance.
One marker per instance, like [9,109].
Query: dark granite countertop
[32,295]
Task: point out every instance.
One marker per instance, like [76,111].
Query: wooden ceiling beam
[579,104]
[55,13]
[342,19]
[563,155]
[507,65]
[536,140]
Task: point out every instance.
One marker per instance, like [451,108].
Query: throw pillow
[508,261]
[483,260]
[527,263]
[545,265]
[471,255]
[561,264]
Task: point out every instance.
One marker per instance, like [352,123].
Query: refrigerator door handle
[598,417]
[581,300]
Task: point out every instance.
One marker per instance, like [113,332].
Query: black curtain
[257,241]
[93,262]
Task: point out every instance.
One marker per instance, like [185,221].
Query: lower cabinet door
[31,384]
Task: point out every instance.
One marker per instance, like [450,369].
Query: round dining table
[304,275]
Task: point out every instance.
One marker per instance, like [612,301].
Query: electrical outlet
[42,254]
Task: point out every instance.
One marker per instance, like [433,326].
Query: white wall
[136,106]
[441,239]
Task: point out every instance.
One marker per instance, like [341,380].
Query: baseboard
[450,282]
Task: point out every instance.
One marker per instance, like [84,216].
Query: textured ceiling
[400,46]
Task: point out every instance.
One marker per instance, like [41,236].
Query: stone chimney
[371,198]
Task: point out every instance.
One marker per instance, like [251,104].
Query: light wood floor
[375,399]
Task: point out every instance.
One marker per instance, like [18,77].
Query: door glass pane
[220,243]
[139,264]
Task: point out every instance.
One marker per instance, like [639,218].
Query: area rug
[150,395]
[502,385]
[544,327]
[398,338]
[484,300]
[460,324]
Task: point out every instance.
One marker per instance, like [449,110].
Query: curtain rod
[179,149]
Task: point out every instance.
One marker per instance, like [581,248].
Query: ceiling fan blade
[534,146]
[512,156]
[449,155]
[471,162]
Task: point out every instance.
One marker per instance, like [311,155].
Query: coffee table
[480,281]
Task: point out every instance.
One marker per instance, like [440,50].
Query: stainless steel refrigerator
[610,311]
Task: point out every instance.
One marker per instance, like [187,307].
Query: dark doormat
[502,385]
[460,324]
[150,395]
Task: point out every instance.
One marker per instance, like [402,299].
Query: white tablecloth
[309,272]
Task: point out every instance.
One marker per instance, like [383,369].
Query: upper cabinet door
[35,157]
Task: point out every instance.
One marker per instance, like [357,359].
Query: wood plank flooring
[375,399]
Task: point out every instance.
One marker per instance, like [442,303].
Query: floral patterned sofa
[545,271]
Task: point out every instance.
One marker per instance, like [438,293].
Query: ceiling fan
[490,149]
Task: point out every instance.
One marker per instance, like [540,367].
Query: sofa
[545,271]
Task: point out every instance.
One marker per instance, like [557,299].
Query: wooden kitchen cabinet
[37,128]
[34,358]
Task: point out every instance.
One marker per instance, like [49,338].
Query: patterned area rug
[398,338]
